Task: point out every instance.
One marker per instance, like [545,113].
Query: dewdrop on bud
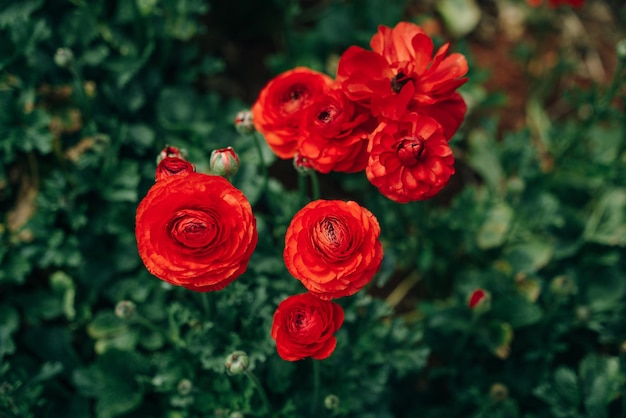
[301,164]
[479,301]
[331,402]
[224,162]
[64,57]
[237,362]
[125,309]
[243,122]
[184,387]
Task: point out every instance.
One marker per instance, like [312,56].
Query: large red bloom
[278,111]
[196,231]
[400,70]
[304,326]
[333,248]
[409,159]
[334,134]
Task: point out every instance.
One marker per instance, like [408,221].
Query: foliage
[90,92]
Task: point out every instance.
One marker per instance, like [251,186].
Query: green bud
[243,122]
[620,49]
[498,392]
[224,162]
[236,414]
[125,309]
[237,362]
[331,402]
[563,286]
[184,387]
[64,57]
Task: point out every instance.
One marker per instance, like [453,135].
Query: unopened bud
[620,49]
[331,402]
[562,286]
[224,162]
[479,301]
[302,164]
[243,122]
[64,57]
[171,166]
[125,309]
[184,387]
[583,313]
[236,414]
[172,152]
[498,392]
[237,362]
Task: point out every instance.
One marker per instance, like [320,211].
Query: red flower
[332,247]
[556,3]
[409,159]
[448,113]
[476,297]
[400,70]
[304,326]
[170,166]
[278,111]
[195,231]
[334,134]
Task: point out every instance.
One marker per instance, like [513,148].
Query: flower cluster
[389,111]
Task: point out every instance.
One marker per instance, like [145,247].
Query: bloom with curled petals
[196,231]
[399,71]
[409,159]
[334,134]
[170,166]
[304,326]
[333,247]
[278,111]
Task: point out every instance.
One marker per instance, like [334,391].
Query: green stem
[302,186]
[316,388]
[206,306]
[315,186]
[259,150]
[261,391]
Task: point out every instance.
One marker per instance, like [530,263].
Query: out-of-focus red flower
[278,111]
[171,166]
[195,230]
[409,159]
[334,134]
[556,3]
[304,326]
[400,70]
[333,247]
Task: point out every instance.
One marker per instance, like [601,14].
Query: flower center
[295,98]
[192,228]
[410,149]
[332,238]
[327,115]
[399,81]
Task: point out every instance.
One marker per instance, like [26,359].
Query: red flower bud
[172,152]
[224,162]
[170,166]
[243,122]
[479,300]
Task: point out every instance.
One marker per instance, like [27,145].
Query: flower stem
[261,391]
[257,145]
[316,388]
[206,306]
[315,186]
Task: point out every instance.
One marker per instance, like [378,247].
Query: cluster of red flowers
[389,111]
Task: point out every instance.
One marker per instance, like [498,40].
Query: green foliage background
[536,215]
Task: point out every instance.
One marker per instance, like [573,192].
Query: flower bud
[184,387]
[171,166]
[236,414]
[172,152]
[243,122]
[224,162]
[302,164]
[479,301]
[237,362]
[125,309]
[562,286]
[498,392]
[64,57]
[331,402]
[620,49]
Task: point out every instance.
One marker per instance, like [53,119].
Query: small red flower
[334,134]
[170,166]
[333,247]
[278,111]
[400,71]
[304,326]
[196,231]
[476,297]
[409,159]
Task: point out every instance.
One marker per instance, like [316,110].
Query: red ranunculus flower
[334,134]
[332,247]
[448,113]
[304,326]
[278,111]
[409,159]
[170,166]
[399,70]
[196,231]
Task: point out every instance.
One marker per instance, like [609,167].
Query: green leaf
[517,310]
[484,159]
[607,222]
[529,257]
[493,231]
[9,323]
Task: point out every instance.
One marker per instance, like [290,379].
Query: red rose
[170,166]
[304,326]
[400,70]
[278,111]
[334,134]
[195,231]
[332,247]
[409,159]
